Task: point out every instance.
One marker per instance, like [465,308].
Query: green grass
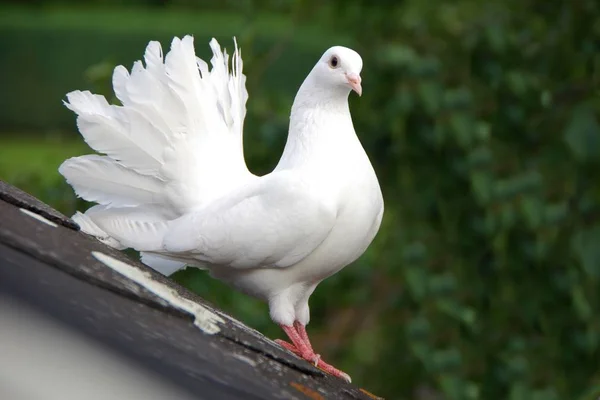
[31,163]
[26,156]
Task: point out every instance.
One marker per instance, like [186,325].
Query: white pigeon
[173,183]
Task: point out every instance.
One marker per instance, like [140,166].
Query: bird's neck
[320,126]
[315,95]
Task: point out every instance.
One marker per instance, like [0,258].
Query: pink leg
[302,348]
[302,332]
[331,370]
[288,346]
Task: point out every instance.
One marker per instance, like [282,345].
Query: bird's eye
[334,62]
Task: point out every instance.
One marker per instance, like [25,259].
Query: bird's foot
[309,356]
[301,347]
[315,359]
[331,370]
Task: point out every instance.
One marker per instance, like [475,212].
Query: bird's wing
[274,222]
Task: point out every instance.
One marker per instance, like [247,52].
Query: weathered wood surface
[50,267]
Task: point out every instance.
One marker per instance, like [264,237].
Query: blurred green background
[481,119]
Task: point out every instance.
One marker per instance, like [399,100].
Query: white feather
[179,123]
[113,130]
[162,264]
[154,59]
[185,82]
[238,94]
[141,228]
[88,226]
[119,81]
[102,180]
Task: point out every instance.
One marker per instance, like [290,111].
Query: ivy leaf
[583,135]
[585,245]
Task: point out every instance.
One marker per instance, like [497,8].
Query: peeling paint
[204,319]
[38,217]
[245,359]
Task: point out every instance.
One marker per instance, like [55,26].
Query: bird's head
[339,68]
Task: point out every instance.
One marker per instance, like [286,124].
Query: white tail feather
[88,226]
[174,144]
[162,264]
[120,78]
[102,180]
[141,228]
[116,132]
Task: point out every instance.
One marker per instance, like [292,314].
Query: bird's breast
[359,202]
[355,194]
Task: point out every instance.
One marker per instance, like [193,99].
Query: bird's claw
[316,358]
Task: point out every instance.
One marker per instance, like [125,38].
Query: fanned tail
[103,180]
[174,144]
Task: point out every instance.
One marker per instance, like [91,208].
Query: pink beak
[354,82]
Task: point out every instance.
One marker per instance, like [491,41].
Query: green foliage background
[481,119]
